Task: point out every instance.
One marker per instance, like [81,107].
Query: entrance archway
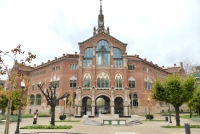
[102,105]
[119,106]
[86,106]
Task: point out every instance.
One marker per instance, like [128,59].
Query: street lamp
[20,106]
[64,106]
[148,99]
[170,120]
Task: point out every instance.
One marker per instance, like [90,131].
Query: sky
[165,32]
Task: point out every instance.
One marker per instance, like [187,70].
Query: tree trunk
[177,115]
[53,115]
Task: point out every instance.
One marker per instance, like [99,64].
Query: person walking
[35,118]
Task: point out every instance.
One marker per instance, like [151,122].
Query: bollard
[166,119]
[187,128]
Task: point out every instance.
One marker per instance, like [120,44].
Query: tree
[194,103]
[188,65]
[175,90]
[52,100]
[13,76]
[16,100]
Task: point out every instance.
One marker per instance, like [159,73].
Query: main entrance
[102,105]
[86,106]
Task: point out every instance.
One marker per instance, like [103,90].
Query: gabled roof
[99,34]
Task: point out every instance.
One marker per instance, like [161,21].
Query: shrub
[149,117]
[62,117]
[46,127]
[44,115]
[68,121]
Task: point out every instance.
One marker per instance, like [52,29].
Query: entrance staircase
[91,122]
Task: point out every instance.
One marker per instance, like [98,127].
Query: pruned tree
[52,100]
[175,90]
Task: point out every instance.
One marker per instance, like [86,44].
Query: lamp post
[170,120]
[64,106]
[20,106]
[148,99]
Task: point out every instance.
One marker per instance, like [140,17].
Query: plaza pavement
[78,127]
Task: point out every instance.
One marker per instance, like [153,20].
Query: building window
[145,69]
[87,60]
[148,85]
[38,99]
[131,67]
[57,68]
[135,100]
[73,67]
[102,80]
[131,82]
[33,86]
[102,53]
[86,80]
[55,83]
[118,81]
[72,82]
[53,69]
[117,57]
[32,99]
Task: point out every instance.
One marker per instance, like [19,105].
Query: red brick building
[101,69]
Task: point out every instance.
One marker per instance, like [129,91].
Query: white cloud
[165,32]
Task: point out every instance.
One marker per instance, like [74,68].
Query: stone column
[125,110]
[75,109]
[79,110]
[112,109]
[93,110]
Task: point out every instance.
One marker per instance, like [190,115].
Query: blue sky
[163,31]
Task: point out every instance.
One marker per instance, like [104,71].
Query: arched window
[87,60]
[102,53]
[148,84]
[117,57]
[135,100]
[38,99]
[72,82]
[131,82]
[102,80]
[86,80]
[32,99]
[118,81]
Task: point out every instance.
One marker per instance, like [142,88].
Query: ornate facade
[102,78]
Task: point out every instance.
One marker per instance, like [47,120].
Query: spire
[100,6]
[101,18]
[101,27]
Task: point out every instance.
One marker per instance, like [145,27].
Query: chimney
[174,65]
[55,58]
[76,53]
[34,65]
[63,55]
[48,60]
[145,59]
[42,63]
[162,67]
[151,62]
[181,63]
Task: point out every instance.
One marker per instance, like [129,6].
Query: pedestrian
[35,118]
